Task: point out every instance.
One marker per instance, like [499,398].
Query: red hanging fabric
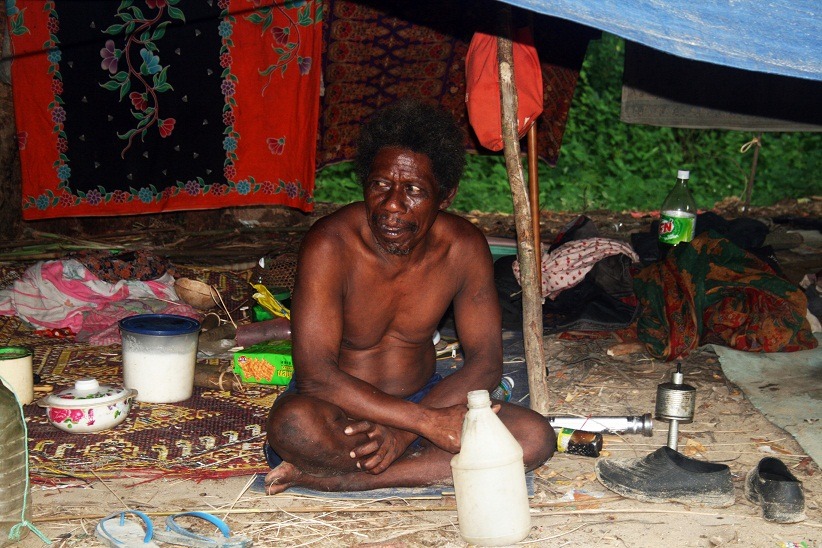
[482,87]
[126,108]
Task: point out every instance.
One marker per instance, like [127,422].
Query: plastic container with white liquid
[159,355]
[489,479]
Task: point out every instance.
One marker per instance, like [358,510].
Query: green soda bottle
[677,218]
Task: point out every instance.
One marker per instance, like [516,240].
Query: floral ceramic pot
[88,407]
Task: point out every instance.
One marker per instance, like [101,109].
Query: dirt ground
[570,506]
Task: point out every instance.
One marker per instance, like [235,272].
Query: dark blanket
[602,301]
[712,292]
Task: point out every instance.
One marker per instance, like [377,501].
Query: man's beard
[392,248]
[395,249]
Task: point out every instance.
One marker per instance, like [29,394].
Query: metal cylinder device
[675,403]
[643,424]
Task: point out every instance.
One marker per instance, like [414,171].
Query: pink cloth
[58,294]
[567,265]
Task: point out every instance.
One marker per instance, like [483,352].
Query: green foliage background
[607,164]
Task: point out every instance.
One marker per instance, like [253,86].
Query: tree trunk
[526,252]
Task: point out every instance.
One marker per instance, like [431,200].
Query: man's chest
[409,307]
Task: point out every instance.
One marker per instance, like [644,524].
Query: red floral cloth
[152,106]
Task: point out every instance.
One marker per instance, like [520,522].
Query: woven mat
[214,434]
[405,493]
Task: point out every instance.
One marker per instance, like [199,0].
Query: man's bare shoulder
[337,227]
[460,232]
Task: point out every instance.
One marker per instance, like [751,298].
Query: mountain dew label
[676,227]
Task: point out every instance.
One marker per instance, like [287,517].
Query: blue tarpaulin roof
[778,37]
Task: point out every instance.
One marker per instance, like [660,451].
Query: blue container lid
[159,324]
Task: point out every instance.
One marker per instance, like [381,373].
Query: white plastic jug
[489,479]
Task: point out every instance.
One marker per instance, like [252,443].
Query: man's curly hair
[420,127]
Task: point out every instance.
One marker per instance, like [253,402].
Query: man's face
[402,199]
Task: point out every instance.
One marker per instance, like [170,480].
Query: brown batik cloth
[378,52]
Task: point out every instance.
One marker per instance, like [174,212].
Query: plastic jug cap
[478,398]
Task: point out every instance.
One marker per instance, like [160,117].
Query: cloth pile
[722,288]
[712,292]
[586,282]
[70,294]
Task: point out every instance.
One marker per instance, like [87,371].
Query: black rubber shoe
[668,476]
[776,491]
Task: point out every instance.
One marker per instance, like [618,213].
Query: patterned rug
[214,434]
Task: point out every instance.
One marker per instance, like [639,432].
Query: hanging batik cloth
[145,106]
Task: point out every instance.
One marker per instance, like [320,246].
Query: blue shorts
[273,459]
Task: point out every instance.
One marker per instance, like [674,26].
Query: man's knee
[544,445]
[290,423]
[535,435]
[299,422]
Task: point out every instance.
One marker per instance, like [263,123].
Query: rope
[747,146]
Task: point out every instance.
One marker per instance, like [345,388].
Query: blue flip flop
[174,533]
[118,532]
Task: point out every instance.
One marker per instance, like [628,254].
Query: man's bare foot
[282,477]
[429,466]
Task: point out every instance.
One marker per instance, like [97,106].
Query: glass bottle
[677,217]
[578,442]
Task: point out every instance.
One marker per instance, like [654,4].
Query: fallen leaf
[692,448]
[806,465]
[624,349]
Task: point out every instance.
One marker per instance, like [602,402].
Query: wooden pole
[526,254]
[533,196]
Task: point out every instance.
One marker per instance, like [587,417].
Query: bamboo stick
[533,195]
[316,509]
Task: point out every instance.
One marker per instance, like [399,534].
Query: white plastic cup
[16,370]
[159,355]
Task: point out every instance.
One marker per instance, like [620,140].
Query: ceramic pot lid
[86,393]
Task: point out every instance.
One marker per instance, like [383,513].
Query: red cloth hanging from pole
[482,89]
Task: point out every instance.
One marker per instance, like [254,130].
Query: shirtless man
[374,279]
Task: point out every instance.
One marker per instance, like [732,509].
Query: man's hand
[384,446]
[446,426]
[444,429]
